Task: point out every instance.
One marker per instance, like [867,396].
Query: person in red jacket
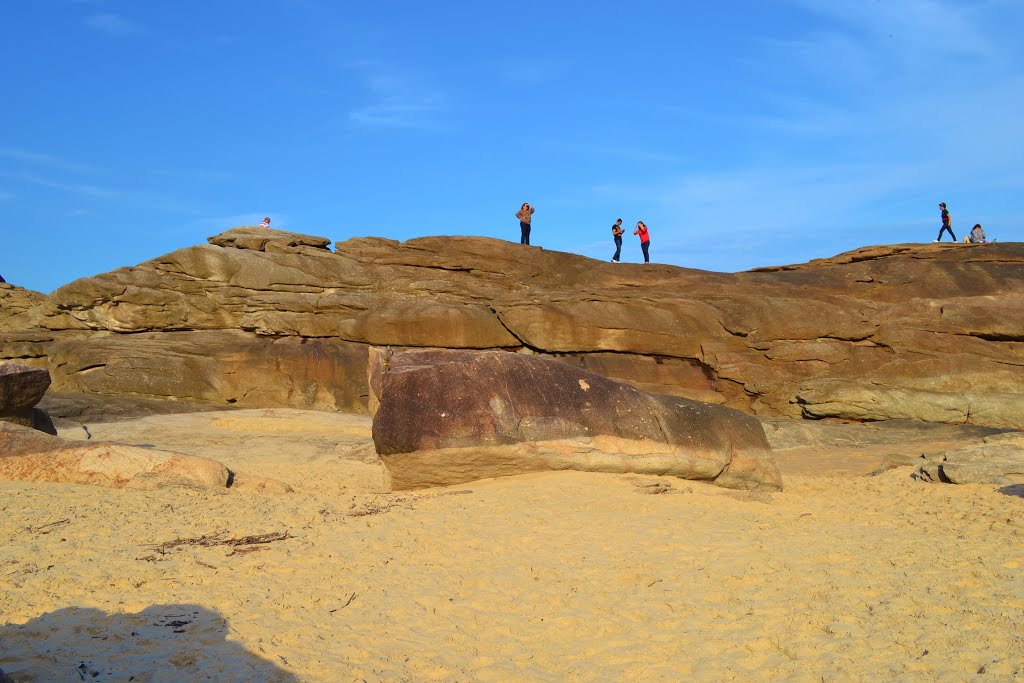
[645,239]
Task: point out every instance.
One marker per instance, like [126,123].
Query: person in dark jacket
[617,231]
[947,223]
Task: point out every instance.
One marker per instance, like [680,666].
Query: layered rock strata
[265,318]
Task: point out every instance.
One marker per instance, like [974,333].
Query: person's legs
[618,249]
[645,246]
[525,229]
[943,229]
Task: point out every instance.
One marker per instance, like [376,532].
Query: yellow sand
[553,577]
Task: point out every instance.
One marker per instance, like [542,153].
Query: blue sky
[744,133]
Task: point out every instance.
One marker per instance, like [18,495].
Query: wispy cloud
[112,24]
[869,56]
[398,100]
[46,170]
[861,119]
[44,160]
[83,189]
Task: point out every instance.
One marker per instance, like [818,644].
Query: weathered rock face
[21,388]
[29,455]
[926,332]
[998,460]
[216,366]
[23,309]
[447,417]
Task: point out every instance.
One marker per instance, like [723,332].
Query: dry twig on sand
[46,528]
[379,506]
[241,545]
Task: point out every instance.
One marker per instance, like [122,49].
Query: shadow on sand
[160,643]
[1013,490]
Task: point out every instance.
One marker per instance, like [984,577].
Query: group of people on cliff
[976,236]
[525,216]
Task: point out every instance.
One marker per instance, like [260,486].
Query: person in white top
[265,223]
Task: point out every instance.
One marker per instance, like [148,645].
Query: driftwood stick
[218,539]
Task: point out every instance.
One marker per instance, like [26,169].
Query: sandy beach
[546,577]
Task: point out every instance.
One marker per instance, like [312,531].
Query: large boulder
[447,417]
[28,455]
[21,388]
[266,239]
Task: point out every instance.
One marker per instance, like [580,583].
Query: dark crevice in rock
[991,336]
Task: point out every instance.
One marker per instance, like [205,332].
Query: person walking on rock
[525,215]
[947,223]
[645,240]
[617,231]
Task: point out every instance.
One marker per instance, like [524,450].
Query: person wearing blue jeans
[947,224]
[617,231]
[645,240]
[525,216]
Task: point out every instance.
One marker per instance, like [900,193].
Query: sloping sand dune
[561,576]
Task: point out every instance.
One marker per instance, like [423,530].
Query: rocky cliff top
[857,335]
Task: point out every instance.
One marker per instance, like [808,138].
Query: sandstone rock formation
[21,388]
[264,318]
[447,417]
[29,455]
[998,460]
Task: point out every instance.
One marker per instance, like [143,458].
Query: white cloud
[399,101]
[84,189]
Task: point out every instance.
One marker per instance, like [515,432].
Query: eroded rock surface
[998,460]
[21,388]
[447,417]
[263,318]
[29,455]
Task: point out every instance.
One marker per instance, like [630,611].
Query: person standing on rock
[947,223]
[265,223]
[525,215]
[645,239]
[617,231]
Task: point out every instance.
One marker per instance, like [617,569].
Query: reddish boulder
[28,455]
[447,417]
[21,387]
